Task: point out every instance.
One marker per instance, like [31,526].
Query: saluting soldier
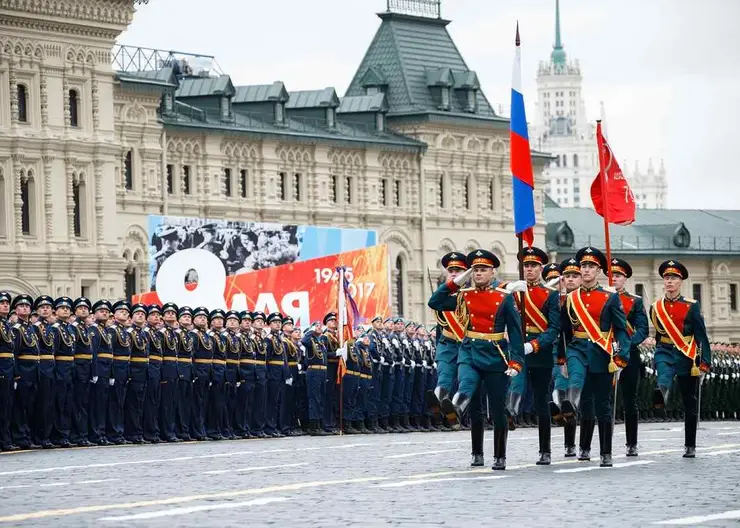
[257,425]
[102,346]
[155,339]
[331,399]
[486,360]
[202,360]
[599,347]
[216,401]
[288,423]
[170,373]
[247,378]
[315,378]
[64,345]
[7,374]
[278,375]
[637,328]
[26,348]
[119,379]
[682,347]
[233,354]
[138,373]
[542,324]
[82,373]
[44,410]
[184,393]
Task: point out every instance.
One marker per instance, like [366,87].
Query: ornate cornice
[116,12]
[46,26]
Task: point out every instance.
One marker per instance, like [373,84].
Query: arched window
[384,192]
[128,170]
[333,188]
[22,103]
[78,197]
[227,181]
[27,188]
[441,192]
[74,115]
[397,192]
[348,189]
[283,186]
[492,193]
[466,193]
[130,282]
[297,186]
[400,272]
[565,160]
[575,160]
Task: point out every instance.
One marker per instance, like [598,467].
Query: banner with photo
[305,290]
[243,246]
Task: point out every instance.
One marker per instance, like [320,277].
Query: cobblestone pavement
[372,480]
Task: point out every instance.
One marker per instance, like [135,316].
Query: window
[333,188]
[399,285]
[330,118]
[575,160]
[130,279]
[348,189]
[696,292]
[227,182]
[565,160]
[441,192]
[733,297]
[128,171]
[77,194]
[186,179]
[297,187]
[639,290]
[279,113]
[466,193]
[384,192]
[22,103]
[380,122]
[26,205]
[73,108]
[243,183]
[397,192]
[85,290]
[170,179]
[282,186]
[445,98]
[492,193]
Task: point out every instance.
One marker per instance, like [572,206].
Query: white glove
[382,360]
[516,286]
[94,379]
[289,381]
[395,342]
[512,373]
[425,364]
[111,382]
[552,282]
[413,363]
[463,277]
[15,385]
[342,351]
[300,367]
[238,384]
[435,364]
[564,370]
[210,384]
[528,348]
[385,341]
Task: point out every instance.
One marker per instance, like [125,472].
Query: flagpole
[342,320]
[605,205]
[521,294]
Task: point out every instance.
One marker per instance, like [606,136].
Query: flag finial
[518,40]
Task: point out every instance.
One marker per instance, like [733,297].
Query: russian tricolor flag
[522,176]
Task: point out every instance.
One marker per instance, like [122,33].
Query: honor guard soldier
[350,388]
[44,409]
[637,328]
[277,374]
[170,373]
[288,423]
[82,372]
[257,425]
[430,375]
[315,378]
[299,383]
[7,374]
[331,399]
[102,346]
[449,334]
[119,380]
[233,354]
[26,346]
[542,323]
[598,348]
[138,373]
[417,384]
[386,389]
[366,381]
[485,359]
[64,345]
[216,394]
[247,378]
[375,347]
[202,359]
[399,380]
[155,338]
[681,347]
[184,393]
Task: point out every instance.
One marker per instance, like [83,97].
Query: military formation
[74,373]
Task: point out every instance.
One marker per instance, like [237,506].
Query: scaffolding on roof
[138,59]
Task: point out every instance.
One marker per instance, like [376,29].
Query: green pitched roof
[408,50]
[205,86]
[313,99]
[655,231]
[260,93]
[363,104]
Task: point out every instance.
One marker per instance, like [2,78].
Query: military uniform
[202,358]
[184,393]
[277,375]
[233,354]
[7,374]
[682,350]
[385,410]
[26,348]
[133,426]
[82,373]
[288,415]
[100,370]
[351,387]
[257,425]
[152,395]
[44,409]
[366,382]
[170,374]
[119,380]
[375,349]
[331,398]
[247,378]
[216,393]
[64,346]
[398,406]
[417,383]
[315,378]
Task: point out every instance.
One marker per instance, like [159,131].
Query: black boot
[557,414]
[394,424]
[690,425]
[630,431]
[570,440]
[359,426]
[380,425]
[605,443]
[543,428]
[660,397]
[477,432]
[499,448]
[587,433]
[454,410]
[347,427]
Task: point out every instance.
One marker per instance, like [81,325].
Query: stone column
[99,208]
[48,158]
[69,172]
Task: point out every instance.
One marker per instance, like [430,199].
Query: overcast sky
[668,71]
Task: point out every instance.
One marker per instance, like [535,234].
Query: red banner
[610,192]
[304,290]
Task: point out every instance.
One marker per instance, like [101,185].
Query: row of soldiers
[77,373]
[569,341]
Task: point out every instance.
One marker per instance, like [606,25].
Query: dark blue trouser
[152,398]
[596,399]
[200,400]
[316,390]
[23,406]
[243,409]
[6,409]
[417,391]
[331,403]
[227,419]
[350,388]
[43,419]
[63,408]
[257,423]
[629,380]
[273,393]
[386,392]
[287,407]
[399,390]
[167,404]
[98,408]
[216,408]
[116,401]
[301,399]
[80,406]
[133,426]
[408,389]
[183,405]
[495,385]
[374,392]
[362,398]
[431,384]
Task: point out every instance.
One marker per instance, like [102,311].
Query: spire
[558,53]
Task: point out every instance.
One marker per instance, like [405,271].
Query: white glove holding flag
[512,373]
[111,382]
[463,277]
[516,286]
[342,352]
[528,348]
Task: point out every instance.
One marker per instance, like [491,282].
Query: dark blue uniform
[277,373]
[375,350]
[233,353]
[288,416]
[184,394]
[27,374]
[418,387]
[82,374]
[366,383]
[245,391]
[257,424]
[216,394]
[398,407]
[168,385]
[7,378]
[64,344]
[202,358]
[44,409]
[151,431]
[315,380]
[136,389]
[101,370]
[385,407]
[331,398]
[351,388]
[117,391]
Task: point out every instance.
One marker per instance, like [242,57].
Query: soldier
[315,378]
[486,360]
[366,381]
[301,401]
[202,358]
[375,348]
[542,322]
[257,425]
[119,379]
[430,374]
[44,409]
[26,348]
[350,388]
[599,347]
[399,379]
[7,374]
[278,375]
[417,384]
[82,373]
[682,347]
[64,345]
[247,378]
[288,424]
[184,393]
[449,335]
[637,328]
[386,390]
[152,396]
[216,397]
[233,354]
[331,400]
[138,373]
[169,372]
[102,346]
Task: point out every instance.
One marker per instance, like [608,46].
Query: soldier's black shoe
[584,455]
[103,441]
[557,414]
[569,413]
[658,400]
[477,461]
[689,452]
[10,447]
[450,413]
[84,443]
[632,451]
[186,438]
[570,451]
[544,460]
[46,444]
[499,464]
[64,443]
[433,404]
[606,460]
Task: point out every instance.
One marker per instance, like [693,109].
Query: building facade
[561,127]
